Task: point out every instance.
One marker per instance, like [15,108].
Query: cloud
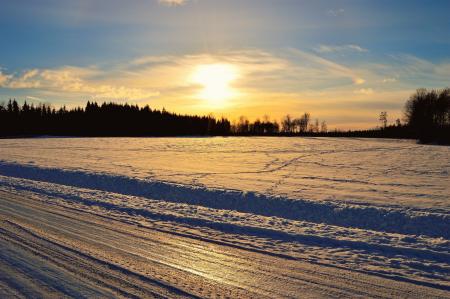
[74,80]
[35,99]
[335,12]
[172,2]
[3,78]
[364,91]
[330,67]
[389,80]
[443,70]
[342,48]
[26,80]
[30,74]
[417,71]
[173,71]
[359,81]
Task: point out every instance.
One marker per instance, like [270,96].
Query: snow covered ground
[378,209]
[351,170]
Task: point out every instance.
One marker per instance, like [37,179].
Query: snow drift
[396,219]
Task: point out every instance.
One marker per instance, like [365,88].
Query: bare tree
[304,122]
[243,125]
[287,124]
[316,126]
[383,119]
[323,127]
[296,125]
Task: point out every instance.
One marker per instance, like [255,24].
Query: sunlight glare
[216,80]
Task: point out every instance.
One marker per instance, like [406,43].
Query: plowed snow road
[53,251]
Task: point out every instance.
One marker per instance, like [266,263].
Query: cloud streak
[335,12]
[3,78]
[365,91]
[329,67]
[342,48]
[172,2]
[73,80]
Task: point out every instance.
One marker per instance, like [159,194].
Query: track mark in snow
[385,218]
[365,251]
[130,261]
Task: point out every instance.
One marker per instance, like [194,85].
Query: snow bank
[390,219]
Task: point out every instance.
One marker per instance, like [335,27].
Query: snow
[350,170]
[378,207]
[386,218]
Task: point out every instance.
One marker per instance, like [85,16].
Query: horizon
[233,122]
[344,62]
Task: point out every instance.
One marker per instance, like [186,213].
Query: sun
[215,80]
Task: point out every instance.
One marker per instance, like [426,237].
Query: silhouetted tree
[383,119]
[314,128]
[323,127]
[304,122]
[287,124]
[243,125]
[428,114]
[107,119]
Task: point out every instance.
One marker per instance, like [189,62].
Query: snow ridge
[381,218]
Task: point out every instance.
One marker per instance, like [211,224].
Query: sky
[341,61]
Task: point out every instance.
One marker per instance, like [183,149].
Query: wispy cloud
[172,2]
[341,48]
[73,80]
[3,78]
[34,99]
[330,67]
[389,80]
[365,91]
[418,71]
[335,12]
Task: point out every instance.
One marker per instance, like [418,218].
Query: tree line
[107,119]
[112,119]
[426,117]
[288,126]
[428,114]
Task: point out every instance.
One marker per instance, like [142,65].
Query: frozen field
[342,170]
[379,209]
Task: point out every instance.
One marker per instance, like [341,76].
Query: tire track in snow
[37,226]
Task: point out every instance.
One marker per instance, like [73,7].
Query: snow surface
[352,170]
[380,207]
[55,247]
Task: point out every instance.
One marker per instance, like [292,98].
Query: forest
[107,119]
[426,118]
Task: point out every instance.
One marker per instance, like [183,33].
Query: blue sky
[330,58]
